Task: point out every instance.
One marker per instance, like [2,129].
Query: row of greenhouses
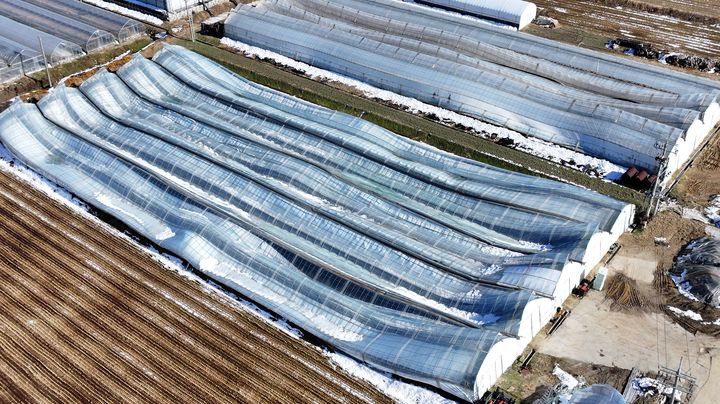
[608,107]
[33,31]
[418,262]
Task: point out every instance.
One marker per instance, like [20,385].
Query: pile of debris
[572,390]
[696,271]
[646,50]
[547,22]
[624,293]
[648,387]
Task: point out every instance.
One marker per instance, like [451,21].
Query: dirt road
[86,315]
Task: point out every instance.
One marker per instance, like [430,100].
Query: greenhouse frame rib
[626,112]
[424,264]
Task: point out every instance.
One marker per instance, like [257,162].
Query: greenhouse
[629,113]
[418,262]
[169,9]
[90,38]
[697,270]
[122,28]
[515,12]
[67,29]
[15,60]
[21,53]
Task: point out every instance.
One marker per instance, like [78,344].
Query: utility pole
[675,376]
[654,198]
[190,21]
[47,68]
[677,380]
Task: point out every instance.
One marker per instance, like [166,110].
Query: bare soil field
[702,180]
[666,29]
[88,316]
[691,10]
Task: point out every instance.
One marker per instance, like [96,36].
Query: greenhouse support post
[47,68]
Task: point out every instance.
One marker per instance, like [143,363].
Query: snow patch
[683,286]
[328,327]
[477,318]
[536,147]
[686,313]
[208,264]
[713,211]
[566,379]
[111,203]
[165,234]
[400,392]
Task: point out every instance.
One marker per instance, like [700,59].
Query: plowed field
[88,316]
[675,27]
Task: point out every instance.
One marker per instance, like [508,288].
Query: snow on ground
[565,378]
[683,287]
[686,313]
[684,211]
[713,211]
[125,11]
[395,389]
[537,147]
[398,390]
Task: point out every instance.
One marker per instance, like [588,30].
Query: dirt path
[88,316]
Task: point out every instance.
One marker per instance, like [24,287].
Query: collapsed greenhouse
[418,262]
[629,113]
[63,29]
[697,270]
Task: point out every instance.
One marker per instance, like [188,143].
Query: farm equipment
[497,397]
[582,289]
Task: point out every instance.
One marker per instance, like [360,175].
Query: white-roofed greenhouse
[418,262]
[514,12]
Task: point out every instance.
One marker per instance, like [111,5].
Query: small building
[168,9]
[214,26]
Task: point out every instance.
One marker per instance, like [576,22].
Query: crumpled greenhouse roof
[411,259]
[697,270]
